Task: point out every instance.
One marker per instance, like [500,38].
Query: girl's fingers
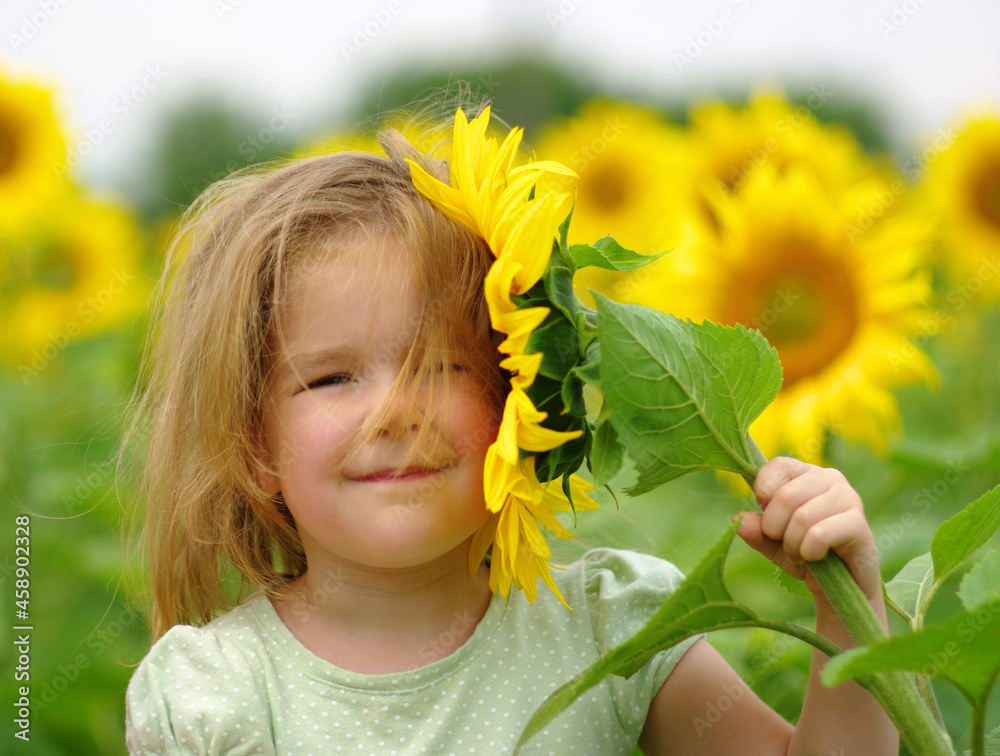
[806,521]
[751,532]
[808,511]
[789,498]
[775,473]
[847,533]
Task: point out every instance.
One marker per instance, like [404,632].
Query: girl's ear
[267,479]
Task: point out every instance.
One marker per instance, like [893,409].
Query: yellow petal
[530,242]
[554,498]
[549,166]
[506,443]
[524,369]
[482,541]
[547,578]
[545,516]
[519,325]
[535,438]
[496,288]
[446,199]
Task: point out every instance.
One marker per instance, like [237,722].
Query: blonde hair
[199,418]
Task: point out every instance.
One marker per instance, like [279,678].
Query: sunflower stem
[978,730]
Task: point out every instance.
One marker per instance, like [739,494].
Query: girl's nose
[401,412]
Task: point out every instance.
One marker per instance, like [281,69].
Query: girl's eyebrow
[308,361]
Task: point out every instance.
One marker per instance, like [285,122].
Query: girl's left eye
[334,379]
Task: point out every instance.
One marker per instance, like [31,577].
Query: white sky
[926,62]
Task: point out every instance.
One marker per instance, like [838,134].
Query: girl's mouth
[396,474]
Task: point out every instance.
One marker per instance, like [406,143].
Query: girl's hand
[809,510]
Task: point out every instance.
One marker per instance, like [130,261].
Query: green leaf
[792,586]
[982,583]
[572,395]
[609,254]
[556,339]
[954,542]
[702,602]
[682,395]
[911,589]
[961,536]
[558,283]
[965,651]
[564,234]
[607,456]
[590,371]
[991,744]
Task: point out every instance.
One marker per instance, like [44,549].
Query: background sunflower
[32,150]
[963,194]
[74,273]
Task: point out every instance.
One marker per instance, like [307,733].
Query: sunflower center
[606,185]
[8,144]
[806,306]
[986,193]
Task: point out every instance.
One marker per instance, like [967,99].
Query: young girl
[323,395]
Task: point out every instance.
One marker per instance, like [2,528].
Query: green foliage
[204,140]
[556,390]
[965,650]
[59,438]
[910,591]
[982,582]
[609,254]
[964,534]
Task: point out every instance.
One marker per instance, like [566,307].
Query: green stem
[930,700]
[815,640]
[756,455]
[757,461]
[979,729]
[890,604]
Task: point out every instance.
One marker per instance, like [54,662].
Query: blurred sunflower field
[875,275]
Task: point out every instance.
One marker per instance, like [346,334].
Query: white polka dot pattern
[243,684]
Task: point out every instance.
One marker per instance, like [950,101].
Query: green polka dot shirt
[243,684]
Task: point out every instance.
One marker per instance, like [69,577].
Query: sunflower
[32,147]
[839,307]
[502,203]
[628,159]
[729,144]
[963,191]
[73,273]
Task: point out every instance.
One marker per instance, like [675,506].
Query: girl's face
[376,498]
